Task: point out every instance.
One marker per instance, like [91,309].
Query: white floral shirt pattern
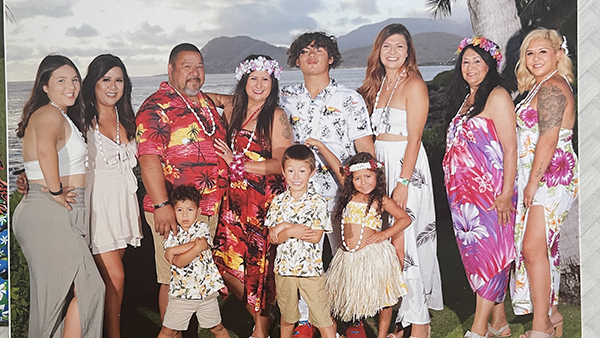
[296,257]
[201,277]
[337,116]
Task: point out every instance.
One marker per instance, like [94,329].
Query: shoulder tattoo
[551,107]
[286,132]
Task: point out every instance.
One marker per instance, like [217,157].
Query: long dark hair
[459,88]
[376,71]
[346,192]
[96,71]
[240,107]
[39,98]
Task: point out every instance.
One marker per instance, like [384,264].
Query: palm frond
[428,234]
[440,8]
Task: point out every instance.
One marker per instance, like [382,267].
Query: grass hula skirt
[361,283]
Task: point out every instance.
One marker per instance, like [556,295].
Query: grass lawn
[140,315]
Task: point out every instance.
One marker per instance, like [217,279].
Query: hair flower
[483,43]
[259,64]
[371,165]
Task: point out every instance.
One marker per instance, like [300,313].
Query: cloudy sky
[142,32]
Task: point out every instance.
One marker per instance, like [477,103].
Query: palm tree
[496,20]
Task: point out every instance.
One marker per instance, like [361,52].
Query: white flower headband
[258,64]
[371,165]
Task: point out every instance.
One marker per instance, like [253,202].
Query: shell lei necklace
[100,144]
[534,91]
[234,139]
[66,116]
[362,231]
[460,122]
[212,119]
[73,129]
[384,124]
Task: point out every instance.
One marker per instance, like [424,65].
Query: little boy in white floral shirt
[297,220]
[195,279]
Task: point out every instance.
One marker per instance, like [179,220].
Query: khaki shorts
[180,310]
[312,290]
[163,268]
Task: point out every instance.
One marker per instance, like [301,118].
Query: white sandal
[470,334]
[497,333]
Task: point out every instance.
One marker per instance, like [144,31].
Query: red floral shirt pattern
[167,128]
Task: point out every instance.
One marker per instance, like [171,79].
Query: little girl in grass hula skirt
[365,275]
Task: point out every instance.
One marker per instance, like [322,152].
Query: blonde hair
[525,79]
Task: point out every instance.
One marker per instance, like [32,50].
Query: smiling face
[540,58]
[63,87]
[297,174]
[187,74]
[258,86]
[473,68]
[393,52]
[314,60]
[364,181]
[109,89]
[186,213]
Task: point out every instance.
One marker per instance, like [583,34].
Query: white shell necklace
[362,231]
[234,139]
[384,124]
[100,144]
[212,119]
[67,117]
[534,91]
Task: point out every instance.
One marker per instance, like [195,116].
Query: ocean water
[18,93]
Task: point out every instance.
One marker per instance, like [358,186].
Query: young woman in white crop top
[50,224]
[398,101]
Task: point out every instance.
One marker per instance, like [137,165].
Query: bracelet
[160,205]
[403,181]
[56,193]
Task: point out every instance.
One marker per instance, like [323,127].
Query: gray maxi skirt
[55,241]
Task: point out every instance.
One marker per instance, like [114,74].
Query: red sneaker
[356,331]
[304,330]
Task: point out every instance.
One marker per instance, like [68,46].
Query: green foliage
[442,79]
[434,140]
[19,280]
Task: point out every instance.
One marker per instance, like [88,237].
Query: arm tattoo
[286,132]
[551,107]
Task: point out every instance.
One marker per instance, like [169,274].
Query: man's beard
[192,92]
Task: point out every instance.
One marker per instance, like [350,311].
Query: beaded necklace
[384,123]
[234,139]
[73,129]
[362,231]
[100,144]
[212,119]
[67,117]
[534,91]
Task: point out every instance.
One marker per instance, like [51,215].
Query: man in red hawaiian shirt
[176,129]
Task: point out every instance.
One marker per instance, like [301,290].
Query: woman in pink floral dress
[479,171]
[547,176]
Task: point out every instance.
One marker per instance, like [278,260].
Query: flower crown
[483,43]
[258,64]
[371,165]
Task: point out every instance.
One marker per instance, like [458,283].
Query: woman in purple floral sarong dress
[479,172]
